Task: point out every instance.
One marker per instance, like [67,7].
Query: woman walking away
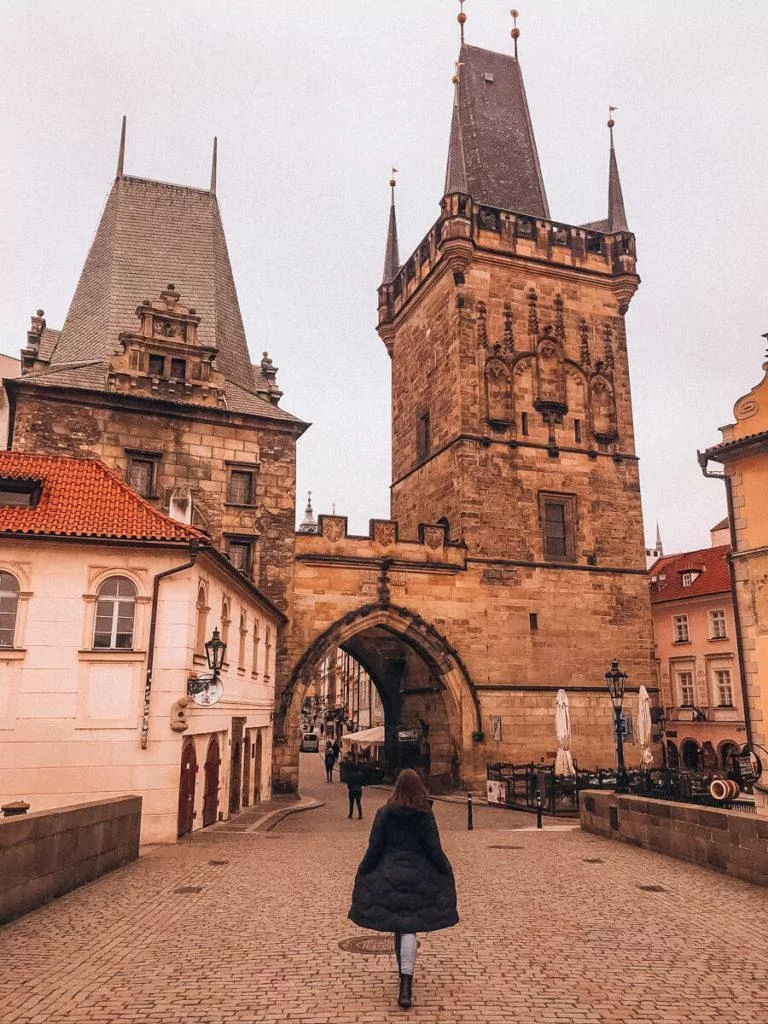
[405,882]
[354,779]
[329,760]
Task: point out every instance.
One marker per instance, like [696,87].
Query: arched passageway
[691,755]
[430,709]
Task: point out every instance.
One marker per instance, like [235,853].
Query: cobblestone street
[246,926]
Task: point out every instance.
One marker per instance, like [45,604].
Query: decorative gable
[165,358]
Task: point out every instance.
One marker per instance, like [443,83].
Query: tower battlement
[383,543]
[466,227]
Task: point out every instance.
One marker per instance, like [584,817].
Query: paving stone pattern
[553,929]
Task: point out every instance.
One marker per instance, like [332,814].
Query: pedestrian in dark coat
[336,748]
[354,779]
[404,883]
[329,760]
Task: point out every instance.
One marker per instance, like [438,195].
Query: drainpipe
[193,550]
[703,462]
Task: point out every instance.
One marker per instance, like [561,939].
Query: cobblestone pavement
[245,926]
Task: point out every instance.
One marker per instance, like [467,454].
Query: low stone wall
[47,853]
[728,841]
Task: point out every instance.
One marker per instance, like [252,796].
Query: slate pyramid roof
[392,252]
[151,234]
[492,152]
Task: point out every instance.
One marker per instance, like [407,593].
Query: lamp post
[616,680]
[215,649]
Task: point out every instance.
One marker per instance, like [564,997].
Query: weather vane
[392,181]
[611,122]
[462,19]
[515,31]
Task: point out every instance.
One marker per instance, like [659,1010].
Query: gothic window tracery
[498,393]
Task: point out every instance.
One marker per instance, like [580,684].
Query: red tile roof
[83,498]
[710,564]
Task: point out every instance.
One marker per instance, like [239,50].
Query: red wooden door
[211,796]
[187,787]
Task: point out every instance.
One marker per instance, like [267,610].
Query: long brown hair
[409,792]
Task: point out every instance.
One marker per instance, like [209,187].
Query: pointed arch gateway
[371,634]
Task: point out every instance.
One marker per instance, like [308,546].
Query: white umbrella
[563,761]
[644,726]
[365,738]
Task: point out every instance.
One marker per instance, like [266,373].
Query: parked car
[310,743]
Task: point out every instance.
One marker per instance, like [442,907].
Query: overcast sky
[313,102]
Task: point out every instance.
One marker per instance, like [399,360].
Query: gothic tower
[511,411]
[151,373]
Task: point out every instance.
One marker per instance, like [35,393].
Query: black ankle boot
[404,999]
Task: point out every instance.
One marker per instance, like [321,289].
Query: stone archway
[417,673]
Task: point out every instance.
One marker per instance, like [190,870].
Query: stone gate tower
[511,412]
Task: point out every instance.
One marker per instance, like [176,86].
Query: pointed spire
[617,218]
[456,168]
[462,20]
[659,546]
[308,523]
[121,151]
[213,164]
[515,31]
[392,255]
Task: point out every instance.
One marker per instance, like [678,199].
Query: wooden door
[211,796]
[187,787]
[247,754]
[236,765]
[257,768]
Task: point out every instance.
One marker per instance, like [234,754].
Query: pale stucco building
[105,608]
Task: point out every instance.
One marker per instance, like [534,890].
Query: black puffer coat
[405,881]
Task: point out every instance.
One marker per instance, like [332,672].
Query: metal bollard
[538,810]
[470,823]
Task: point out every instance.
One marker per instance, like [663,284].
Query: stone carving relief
[334,528]
[559,319]
[603,408]
[482,325]
[550,371]
[385,533]
[498,393]
[509,339]
[584,355]
[533,313]
[434,537]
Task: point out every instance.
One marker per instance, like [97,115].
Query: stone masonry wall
[728,841]
[48,853]
[195,449]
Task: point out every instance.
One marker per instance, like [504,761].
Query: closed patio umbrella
[563,760]
[644,726]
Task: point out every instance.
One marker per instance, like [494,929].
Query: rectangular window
[680,629]
[267,649]
[555,537]
[141,476]
[240,489]
[178,369]
[156,366]
[524,424]
[533,620]
[724,688]
[717,625]
[577,431]
[423,439]
[685,689]
[687,579]
[239,553]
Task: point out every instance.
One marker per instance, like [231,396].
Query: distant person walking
[336,748]
[404,883]
[354,779]
[329,760]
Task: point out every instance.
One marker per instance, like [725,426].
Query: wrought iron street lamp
[215,650]
[616,681]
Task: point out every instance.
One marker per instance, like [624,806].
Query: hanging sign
[205,690]
[496,728]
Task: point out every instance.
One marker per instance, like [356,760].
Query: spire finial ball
[461,18]
[611,122]
[515,33]
[392,182]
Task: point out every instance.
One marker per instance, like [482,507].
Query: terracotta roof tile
[713,576]
[83,498]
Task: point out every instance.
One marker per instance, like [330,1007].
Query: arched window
[243,635]
[673,757]
[115,612]
[201,621]
[9,603]
[256,641]
[225,620]
[691,755]
[267,649]
[443,521]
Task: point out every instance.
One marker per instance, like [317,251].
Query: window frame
[16,594]
[714,634]
[249,540]
[252,469]
[687,579]
[145,456]
[718,687]
[116,600]
[568,504]
[680,620]
[679,673]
